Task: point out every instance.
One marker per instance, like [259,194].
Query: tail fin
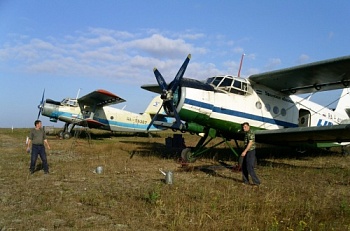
[343,106]
[154,106]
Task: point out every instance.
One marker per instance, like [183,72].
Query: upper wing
[100,98]
[336,133]
[319,76]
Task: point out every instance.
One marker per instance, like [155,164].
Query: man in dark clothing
[37,138]
[248,155]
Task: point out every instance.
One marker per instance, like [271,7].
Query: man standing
[248,155]
[37,138]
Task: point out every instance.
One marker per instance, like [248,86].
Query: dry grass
[309,193]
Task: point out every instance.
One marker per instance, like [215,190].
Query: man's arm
[47,144]
[247,148]
[28,144]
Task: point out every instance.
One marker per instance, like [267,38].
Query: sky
[75,47]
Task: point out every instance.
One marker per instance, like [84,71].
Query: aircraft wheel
[66,135]
[186,156]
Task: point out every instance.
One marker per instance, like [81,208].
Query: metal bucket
[99,169]
[169,177]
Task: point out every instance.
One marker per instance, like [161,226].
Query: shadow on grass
[225,154]
[293,153]
[101,134]
[108,135]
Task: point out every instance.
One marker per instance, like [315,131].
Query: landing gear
[190,155]
[66,133]
[187,156]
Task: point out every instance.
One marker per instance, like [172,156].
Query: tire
[186,156]
[66,135]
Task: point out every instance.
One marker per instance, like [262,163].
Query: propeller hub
[167,95]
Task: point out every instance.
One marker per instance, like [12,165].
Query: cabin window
[267,107]
[276,110]
[283,112]
[112,117]
[258,105]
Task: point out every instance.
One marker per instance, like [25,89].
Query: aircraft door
[260,111]
[304,118]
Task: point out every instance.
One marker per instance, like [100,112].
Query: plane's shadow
[265,156]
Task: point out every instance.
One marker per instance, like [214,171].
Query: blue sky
[63,46]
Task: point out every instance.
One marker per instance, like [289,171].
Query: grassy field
[298,192]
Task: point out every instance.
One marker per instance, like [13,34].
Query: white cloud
[161,46]
[303,59]
[273,64]
[119,55]
[238,50]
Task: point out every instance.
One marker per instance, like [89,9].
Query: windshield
[230,84]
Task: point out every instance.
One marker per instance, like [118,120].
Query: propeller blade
[178,123]
[154,118]
[167,95]
[41,104]
[161,82]
[180,73]
[42,98]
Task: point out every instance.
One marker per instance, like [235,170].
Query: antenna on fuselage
[240,65]
[78,93]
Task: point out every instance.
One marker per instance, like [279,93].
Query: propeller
[41,105]
[168,93]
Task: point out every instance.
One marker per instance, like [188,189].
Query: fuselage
[114,119]
[225,102]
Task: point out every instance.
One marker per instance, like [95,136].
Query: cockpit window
[210,80]
[237,84]
[231,84]
[69,102]
[216,81]
[227,82]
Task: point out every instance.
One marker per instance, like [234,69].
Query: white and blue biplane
[217,106]
[94,111]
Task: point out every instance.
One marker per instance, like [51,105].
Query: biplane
[269,102]
[94,111]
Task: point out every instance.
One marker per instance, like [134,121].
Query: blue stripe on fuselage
[132,126]
[110,123]
[238,113]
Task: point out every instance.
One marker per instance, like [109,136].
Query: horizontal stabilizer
[177,126]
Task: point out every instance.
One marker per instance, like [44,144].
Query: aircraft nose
[49,109]
[41,105]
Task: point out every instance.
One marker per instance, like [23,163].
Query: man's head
[37,123]
[245,126]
